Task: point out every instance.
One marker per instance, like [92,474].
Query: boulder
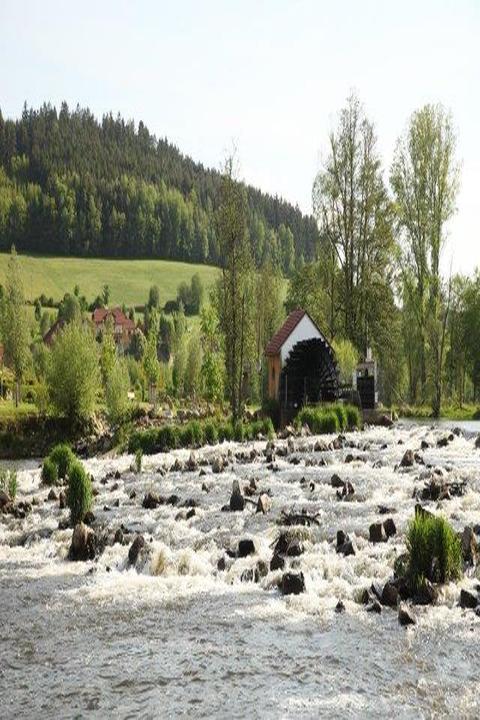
[118,537]
[135,549]
[377,533]
[286,545]
[374,607]
[469,546]
[424,445]
[151,501]
[237,501]
[261,571]
[52,495]
[405,617]
[83,545]
[426,594]
[408,459]
[336,481]
[389,527]
[344,544]
[245,548]
[217,464]
[347,491]
[221,564]
[264,503]
[443,442]
[292,583]
[191,465]
[5,499]
[477,442]
[62,500]
[277,562]
[468,599]
[389,596]
[339,607]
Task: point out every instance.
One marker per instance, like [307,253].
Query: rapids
[180,638]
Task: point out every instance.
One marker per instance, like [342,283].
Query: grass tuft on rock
[434,549]
[49,472]
[63,457]
[79,495]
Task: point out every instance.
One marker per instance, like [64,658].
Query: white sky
[269,75]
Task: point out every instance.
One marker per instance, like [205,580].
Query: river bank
[187,630]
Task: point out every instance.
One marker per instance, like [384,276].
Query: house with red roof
[123,327]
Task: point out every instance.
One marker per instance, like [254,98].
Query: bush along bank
[196,433]
[329,418]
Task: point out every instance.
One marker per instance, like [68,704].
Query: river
[180,638]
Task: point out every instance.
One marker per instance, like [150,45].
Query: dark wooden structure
[301,365]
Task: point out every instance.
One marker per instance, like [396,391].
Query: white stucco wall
[305,330]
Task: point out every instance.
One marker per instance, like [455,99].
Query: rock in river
[83,544]
[292,584]
[237,501]
[405,617]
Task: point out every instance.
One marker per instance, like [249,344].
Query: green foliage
[116,391]
[63,458]
[79,494]
[191,296]
[225,432]
[271,409]
[49,472]
[329,418]
[70,183]
[238,431]
[8,482]
[353,417]
[138,460]
[191,434]
[341,413]
[210,433]
[347,359]
[13,323]
[73,375]
[435,551]
[195,434]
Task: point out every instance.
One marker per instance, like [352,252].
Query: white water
[181,638]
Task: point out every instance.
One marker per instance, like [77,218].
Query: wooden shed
[301,363]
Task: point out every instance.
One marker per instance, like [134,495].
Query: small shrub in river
[341,413]
[49,472]
[63,458]
[238,431]
[138,460]
[191,435]
[434,549]
[353,417]
[8,482]
[167,438]
[79,495]
[328,422]
[210,433]
[225,431]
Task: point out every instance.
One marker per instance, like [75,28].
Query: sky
[267,76]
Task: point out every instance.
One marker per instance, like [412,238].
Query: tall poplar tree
[14,325]
[234,292]
[424,178]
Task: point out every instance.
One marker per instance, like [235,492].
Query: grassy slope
[129,280]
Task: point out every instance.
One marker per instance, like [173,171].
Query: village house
[123,327]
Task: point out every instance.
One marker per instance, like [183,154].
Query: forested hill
[71,185]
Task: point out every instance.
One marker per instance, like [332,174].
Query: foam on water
[179,597]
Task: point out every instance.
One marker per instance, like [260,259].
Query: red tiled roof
[275,344]
[100,315]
